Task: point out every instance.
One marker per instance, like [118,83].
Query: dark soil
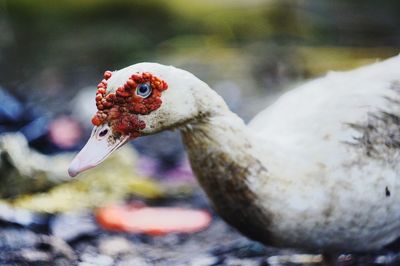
[75,239]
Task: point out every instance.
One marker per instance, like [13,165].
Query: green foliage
[80,39]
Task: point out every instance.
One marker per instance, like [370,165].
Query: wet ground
[76,239]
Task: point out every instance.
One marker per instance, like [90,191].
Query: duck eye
[143,90]
[103,132]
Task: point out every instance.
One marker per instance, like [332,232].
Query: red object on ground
[152,220]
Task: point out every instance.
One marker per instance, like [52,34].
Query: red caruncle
[121,108]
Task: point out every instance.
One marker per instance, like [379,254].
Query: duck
[317,170]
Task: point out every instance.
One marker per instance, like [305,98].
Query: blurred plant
[112,181]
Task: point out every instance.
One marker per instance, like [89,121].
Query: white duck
[317,170]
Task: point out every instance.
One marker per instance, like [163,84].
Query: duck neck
[222,157]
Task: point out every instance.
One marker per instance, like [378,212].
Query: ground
[76,239]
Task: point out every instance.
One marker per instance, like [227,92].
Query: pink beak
[100,145]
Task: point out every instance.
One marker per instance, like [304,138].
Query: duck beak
[100,145]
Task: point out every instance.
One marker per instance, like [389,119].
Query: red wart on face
[121,108]
[118,112]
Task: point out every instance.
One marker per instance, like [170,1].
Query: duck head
[138,100]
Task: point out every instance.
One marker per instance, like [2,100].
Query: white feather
[321,187]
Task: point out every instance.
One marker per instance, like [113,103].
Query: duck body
[317,170]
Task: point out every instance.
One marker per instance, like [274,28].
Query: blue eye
[143,90]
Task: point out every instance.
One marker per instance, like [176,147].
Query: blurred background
[52,55]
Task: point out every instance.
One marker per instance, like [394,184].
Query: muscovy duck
[317,170]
